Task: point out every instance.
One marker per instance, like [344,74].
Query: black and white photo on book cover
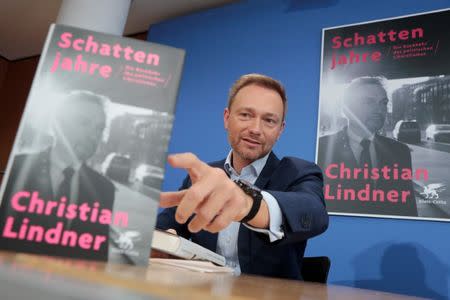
[383,139]
[86,169]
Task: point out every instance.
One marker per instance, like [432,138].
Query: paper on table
[193,265]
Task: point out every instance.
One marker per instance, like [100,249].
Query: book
[386,83]
[85,172]
[180,247]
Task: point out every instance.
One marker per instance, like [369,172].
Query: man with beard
[359,146]
[254,209]
[60,174]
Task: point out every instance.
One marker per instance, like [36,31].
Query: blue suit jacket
[297,186]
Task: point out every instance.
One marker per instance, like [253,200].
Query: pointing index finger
[190,162]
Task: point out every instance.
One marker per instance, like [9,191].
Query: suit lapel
[261,182]
[245,237]
[382,155]
[218,164]
[346,150]
[87,191]
[267,171]
[41,175]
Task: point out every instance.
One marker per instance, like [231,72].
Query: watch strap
[256,196]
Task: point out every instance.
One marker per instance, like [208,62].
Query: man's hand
[215,199]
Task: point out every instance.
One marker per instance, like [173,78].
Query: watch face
[248,184]
[249,189]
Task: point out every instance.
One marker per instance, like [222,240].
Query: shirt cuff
[274,232]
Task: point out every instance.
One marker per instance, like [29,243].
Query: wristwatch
[255,194]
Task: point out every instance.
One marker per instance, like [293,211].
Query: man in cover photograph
[61,171]
[360,146]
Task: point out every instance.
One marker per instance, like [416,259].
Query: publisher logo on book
[431,193]
[125,242]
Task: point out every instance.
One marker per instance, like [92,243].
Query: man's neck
[361,132]
[238,163]
[63,157]
[257,164]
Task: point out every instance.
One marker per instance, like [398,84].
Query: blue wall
[283,39]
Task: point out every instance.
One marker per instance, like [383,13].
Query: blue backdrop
[283,39]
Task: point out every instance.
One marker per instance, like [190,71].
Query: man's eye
[244,115]
[271,121]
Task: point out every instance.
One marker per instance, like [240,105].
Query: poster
[383,139]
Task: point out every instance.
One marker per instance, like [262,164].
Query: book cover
[85,172]
[383,138]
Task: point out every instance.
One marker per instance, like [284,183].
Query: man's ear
[283,125]
[226,116]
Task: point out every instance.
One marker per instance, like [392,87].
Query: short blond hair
[258,80]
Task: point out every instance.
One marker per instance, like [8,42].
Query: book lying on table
[180,247]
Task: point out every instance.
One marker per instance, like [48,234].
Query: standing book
[84,176]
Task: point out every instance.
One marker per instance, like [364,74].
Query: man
[263,233]
[359,147]
[61,172]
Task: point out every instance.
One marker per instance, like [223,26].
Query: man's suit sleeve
[300,197]
[166,218]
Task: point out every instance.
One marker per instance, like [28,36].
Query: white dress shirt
[228,237]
